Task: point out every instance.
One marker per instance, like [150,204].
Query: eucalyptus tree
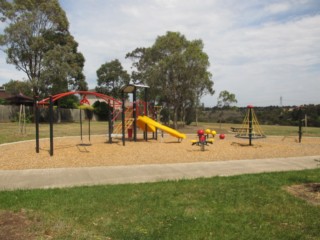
[111,76]
[15,87]
[37,41]
[176,70]
[225,100]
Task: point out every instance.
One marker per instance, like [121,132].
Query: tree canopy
[37,42]
[176,70]
[15,87]
[226,99]
[111,77]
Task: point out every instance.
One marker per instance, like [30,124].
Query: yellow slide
[142,125]
[151,123]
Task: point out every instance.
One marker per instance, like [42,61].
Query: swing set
[115,104]
[84,104]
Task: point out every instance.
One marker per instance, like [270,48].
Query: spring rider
[203,140]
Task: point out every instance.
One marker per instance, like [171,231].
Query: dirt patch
[308,191]
[15,226]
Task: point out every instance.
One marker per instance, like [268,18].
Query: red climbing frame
[49,101]
[108,99]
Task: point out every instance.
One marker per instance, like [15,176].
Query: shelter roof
[20,99]
[4,95]
[131,87]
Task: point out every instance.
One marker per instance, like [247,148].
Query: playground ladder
[127,124]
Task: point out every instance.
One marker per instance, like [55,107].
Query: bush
[102,110]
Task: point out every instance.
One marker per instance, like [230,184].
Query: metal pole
[250,126]
[51,125]
[36,118]
[110,122]
[81,124]
[146,111]
[300,124]
[89,126]
[134,105]
[123,119]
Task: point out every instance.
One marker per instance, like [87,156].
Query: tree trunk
[197,109]
[58,113]
[183,116]
[175,118]
[220,117]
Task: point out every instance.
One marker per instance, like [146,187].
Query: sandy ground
[71,152]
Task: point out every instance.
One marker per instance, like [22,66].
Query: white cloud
[259,50]
[278,7]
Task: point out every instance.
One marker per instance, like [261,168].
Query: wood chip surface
[72,152]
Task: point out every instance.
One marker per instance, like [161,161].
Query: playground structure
[131,116]
[204,139]
[250,128]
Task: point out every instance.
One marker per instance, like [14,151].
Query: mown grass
[9,132]
[238,207]
[273,130]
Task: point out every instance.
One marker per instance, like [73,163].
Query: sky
[265,52]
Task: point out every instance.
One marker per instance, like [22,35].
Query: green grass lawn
[239,207]
[10,131]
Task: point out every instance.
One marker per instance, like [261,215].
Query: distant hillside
[271,115]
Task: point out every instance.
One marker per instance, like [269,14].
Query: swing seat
[194,142]
[114,135]
[210,140]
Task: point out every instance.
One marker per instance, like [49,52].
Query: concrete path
[68,177]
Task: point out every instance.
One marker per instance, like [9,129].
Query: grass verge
[10,131]
[239,207]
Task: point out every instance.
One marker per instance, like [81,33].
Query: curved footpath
[69,177]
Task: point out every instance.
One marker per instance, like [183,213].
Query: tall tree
[175,69]
[225,100]
[111,77]
[38,42]
[15,87]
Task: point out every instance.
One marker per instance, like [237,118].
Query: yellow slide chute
[142,125]
[152,125]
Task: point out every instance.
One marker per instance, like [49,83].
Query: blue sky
[258,50]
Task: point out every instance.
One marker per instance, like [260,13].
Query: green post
[250,124]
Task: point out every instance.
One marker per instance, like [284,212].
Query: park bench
[238,129]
